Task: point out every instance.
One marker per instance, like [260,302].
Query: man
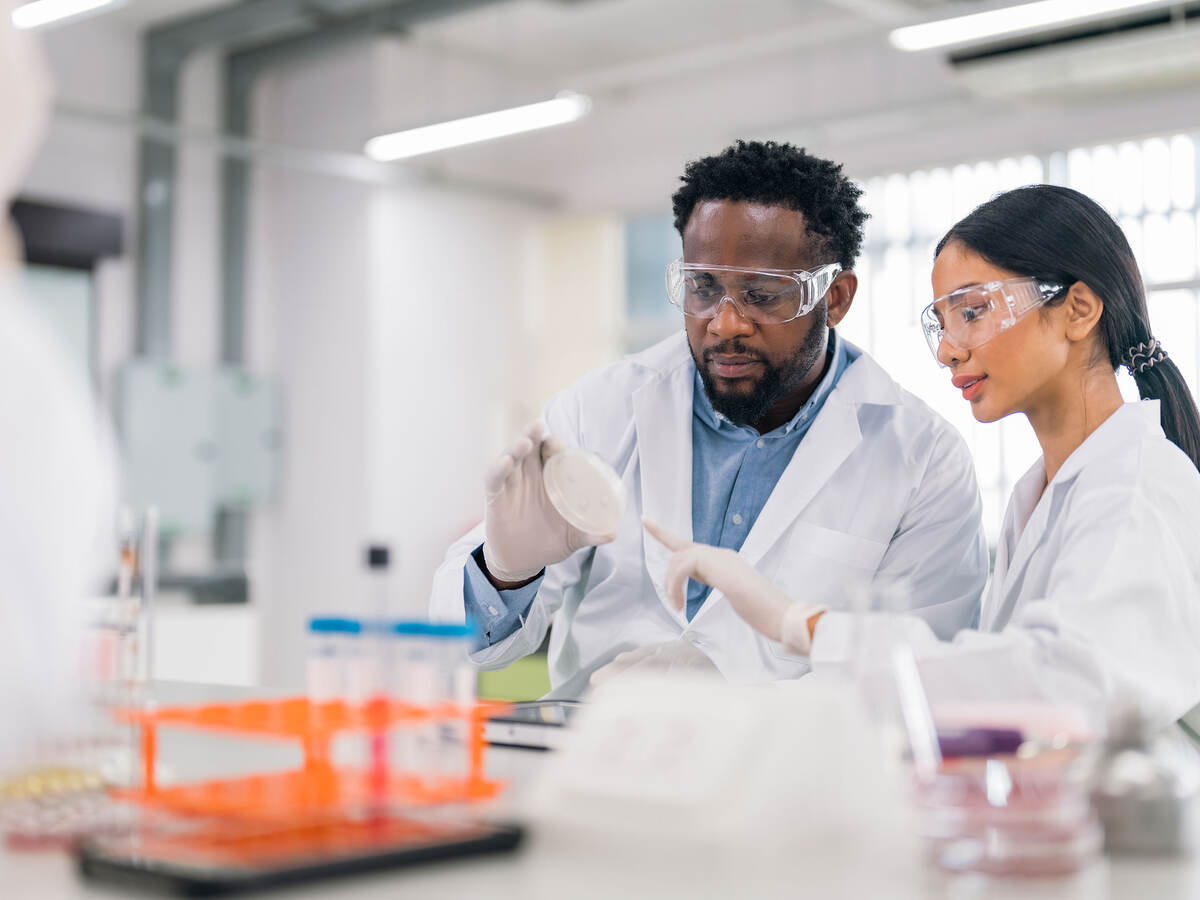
[760,430]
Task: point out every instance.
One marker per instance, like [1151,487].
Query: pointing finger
[668,539]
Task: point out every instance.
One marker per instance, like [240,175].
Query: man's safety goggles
[765,297]
[973,315]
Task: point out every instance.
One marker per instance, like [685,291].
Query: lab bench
[557,866]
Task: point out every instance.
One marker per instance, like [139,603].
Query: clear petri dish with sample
[585,490]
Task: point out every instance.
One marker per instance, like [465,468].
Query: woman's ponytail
[1158,378]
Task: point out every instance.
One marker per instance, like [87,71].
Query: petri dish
[585,490]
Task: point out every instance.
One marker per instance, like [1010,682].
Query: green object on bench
[526,679]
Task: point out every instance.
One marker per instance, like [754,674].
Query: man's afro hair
[779,174]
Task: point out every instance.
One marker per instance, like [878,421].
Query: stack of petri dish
[1015,814]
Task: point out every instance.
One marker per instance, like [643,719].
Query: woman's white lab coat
[880,487]
[1095,599]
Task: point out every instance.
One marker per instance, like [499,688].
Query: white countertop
[555,866]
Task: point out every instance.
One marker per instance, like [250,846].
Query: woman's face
[1017,369]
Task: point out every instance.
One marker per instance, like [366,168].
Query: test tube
[457,686]
[331,650]
[413,676]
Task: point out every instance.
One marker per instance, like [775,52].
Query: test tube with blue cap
[333,654]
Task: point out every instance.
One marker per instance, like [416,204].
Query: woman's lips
[970,385]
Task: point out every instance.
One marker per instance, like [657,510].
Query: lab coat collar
[1029,513]
[1132,422]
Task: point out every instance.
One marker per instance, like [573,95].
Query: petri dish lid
[585,490]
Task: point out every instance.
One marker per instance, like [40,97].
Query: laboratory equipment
[246,858]
[585,490]
[1008,814]
[456,685]
[254,830]
[1144,802]
[532,725]
[333,655]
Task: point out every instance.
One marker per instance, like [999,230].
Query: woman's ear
[840,296]
[1083,308]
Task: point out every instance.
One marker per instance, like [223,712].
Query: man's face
[749,369]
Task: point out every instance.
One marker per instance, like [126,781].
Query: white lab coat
[1095,599]
[880,487]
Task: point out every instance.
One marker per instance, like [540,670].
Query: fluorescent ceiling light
[564,108]
[1009,20]
[43,12]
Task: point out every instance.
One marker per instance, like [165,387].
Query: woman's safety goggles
[764,296]
[973,315]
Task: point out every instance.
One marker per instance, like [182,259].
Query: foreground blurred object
[726,781]
[56,484]
[1145,798]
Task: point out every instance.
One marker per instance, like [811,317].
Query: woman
[1095,598]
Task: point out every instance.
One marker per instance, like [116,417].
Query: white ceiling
[671,80]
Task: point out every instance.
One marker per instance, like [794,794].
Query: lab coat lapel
[662,411]
[832,437]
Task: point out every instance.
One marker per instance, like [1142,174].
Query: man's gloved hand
[523,532]
[765,607]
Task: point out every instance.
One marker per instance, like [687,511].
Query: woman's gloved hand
[765,607]
[523,532]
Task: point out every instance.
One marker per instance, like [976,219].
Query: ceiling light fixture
[1008,20]
[566,107]
[45,12]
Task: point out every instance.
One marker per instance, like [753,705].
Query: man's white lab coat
[879,488]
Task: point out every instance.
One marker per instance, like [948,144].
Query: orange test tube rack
[318,789]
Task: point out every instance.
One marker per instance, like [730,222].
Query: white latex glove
[523,532]
[766,608]
[671,656]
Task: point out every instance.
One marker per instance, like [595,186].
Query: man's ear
[1083,308]
[840,296]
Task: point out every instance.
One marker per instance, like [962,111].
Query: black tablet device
[535,725]
[232,858]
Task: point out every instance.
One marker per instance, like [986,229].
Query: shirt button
[492,610]
[737,518]
[761,443]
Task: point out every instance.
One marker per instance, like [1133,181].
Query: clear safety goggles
[973,315]
[765,297]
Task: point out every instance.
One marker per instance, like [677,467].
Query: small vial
[331,646]
[410,681]
[457,685]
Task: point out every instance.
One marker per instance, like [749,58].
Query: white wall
[391,314]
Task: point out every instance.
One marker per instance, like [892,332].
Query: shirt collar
[703,407]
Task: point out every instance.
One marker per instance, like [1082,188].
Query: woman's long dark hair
[1059,235]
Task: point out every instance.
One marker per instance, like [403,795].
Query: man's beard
[776,381]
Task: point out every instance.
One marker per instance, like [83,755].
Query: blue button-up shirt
[734,471]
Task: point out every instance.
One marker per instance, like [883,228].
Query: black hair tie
[1141,357]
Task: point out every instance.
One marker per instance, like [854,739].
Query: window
[1149,186]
